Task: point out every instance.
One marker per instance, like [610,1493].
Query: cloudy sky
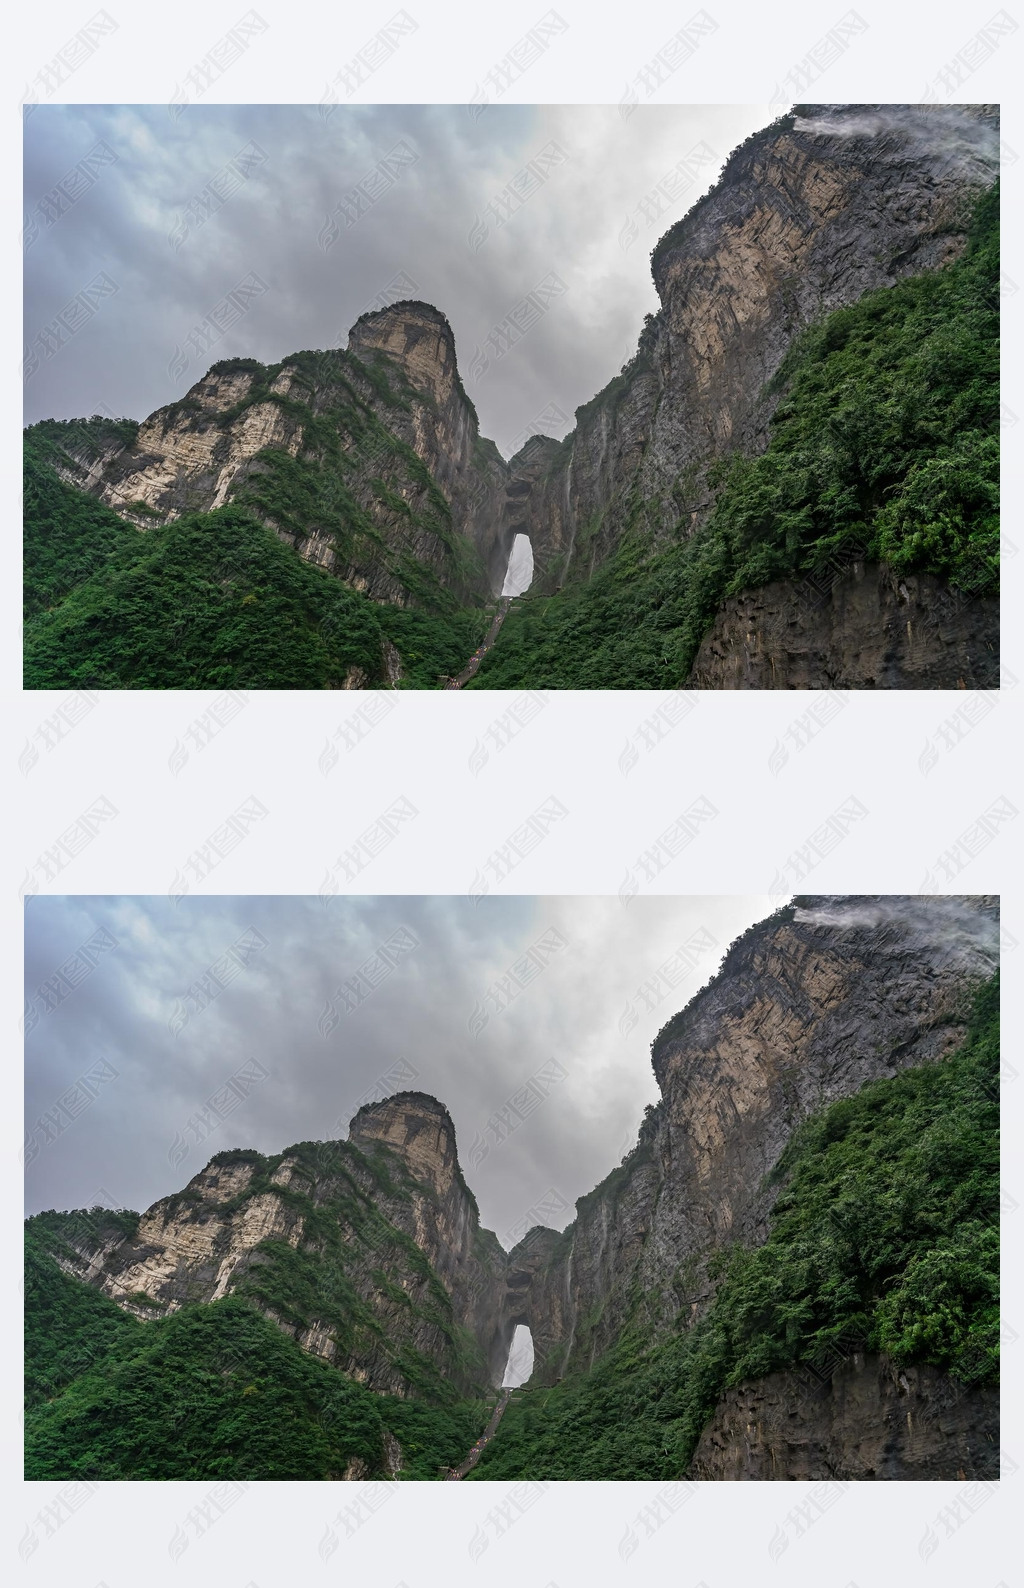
[319,213]
[157,1035]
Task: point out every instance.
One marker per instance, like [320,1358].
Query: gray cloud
[139,1013]
[462,222]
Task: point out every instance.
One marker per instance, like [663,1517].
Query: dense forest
[208,601]
[212,1391]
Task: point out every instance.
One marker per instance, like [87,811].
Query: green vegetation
[69,1327]
[80,440]
[216,599]
[73,536]
[884,1232]
[210,1392]
[218,1389]
[212,600]
[884,445]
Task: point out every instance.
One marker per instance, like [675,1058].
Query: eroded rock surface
[412,1270]
[870,628]
[826,995]
[870,1420]
[805,218]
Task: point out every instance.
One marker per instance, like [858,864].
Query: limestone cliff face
[442,428]
[390,1271]
[808,215]
[187,456]
[869,1420]
[390,467]
[807,1007]
[869,628]
[444,1220]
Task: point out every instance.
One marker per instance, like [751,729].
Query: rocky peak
[418,337]
[535,453]
[419,1129]
[221,388]
[797,184]
[827,994]
[826,964]
[811,212]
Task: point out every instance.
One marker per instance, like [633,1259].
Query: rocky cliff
[370,461]
[442,428]
[807,1007]
[868,1420]
[368,1252]
[808,215]
[866,628]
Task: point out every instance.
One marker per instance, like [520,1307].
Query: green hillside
[217,1391]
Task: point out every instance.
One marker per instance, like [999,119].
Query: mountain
[791,484]
[814,1194]
[808,1008]
[368,1252]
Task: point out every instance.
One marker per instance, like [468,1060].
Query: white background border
[920,820]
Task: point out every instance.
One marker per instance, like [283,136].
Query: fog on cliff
[969,937]
[218,231]
[159,1033]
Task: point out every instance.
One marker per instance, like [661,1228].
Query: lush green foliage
[69,1327]
[80,440]
[216,600]
[211,600]
[884,445]
[884,1232]
[72,537]
[216,1390]
[210,1392]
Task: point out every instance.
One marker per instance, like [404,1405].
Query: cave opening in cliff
[519,573]
[519,1366]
